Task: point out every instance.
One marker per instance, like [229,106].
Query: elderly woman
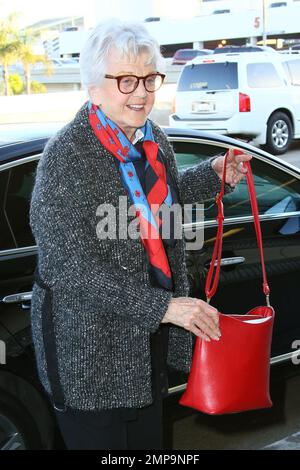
[109,312]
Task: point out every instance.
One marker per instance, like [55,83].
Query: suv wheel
[279,133]
[17,428]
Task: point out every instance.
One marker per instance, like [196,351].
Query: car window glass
[6,238]
[263,75]
[277,191]
[212,76]
[17,204]
[293,69]
[190,154]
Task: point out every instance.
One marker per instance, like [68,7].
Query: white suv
[252,95]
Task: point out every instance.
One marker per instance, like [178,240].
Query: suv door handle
[17,298]
[228,261]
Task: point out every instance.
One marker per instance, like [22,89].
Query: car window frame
[9,166]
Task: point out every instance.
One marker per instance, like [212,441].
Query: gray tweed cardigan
[104,307]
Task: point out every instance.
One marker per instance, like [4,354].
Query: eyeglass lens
[129,83]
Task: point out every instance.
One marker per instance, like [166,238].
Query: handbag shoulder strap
[213,275]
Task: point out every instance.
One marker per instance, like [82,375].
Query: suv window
[277,191]
[213,76]
[16,203]
[293,70]
[263,75]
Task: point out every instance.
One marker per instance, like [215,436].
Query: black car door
[17,254]
[240,287]
[26,417]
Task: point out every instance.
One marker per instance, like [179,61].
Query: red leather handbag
[232,375]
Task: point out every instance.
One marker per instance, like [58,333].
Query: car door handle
[229,261]
[17,298]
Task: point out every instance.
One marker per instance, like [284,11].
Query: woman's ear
[95,95]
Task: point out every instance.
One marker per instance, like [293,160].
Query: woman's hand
[194,315]
[235,170]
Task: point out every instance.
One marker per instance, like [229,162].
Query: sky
[36,10]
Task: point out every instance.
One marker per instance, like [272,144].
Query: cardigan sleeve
[68,257]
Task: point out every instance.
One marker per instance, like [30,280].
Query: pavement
[291,442]
[61,106]
[274,428]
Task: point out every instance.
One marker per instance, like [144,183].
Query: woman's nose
[140,90]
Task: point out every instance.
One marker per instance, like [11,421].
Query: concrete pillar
[253,41]
[198,44]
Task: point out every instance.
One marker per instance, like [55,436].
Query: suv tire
[279,133]
[18,430]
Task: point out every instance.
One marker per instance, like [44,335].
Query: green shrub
[37,87]
[16,84]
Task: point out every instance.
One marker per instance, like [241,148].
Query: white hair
[129,38]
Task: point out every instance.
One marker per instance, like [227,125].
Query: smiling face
[128,111]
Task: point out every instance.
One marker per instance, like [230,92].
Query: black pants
[123,428]
[113,429]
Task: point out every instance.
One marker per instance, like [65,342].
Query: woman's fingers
[207,327]
[241,157]
[197,332]
[235,167]
[201,319]
[244,157]
[200,328]
[194,315]
[199,309]
[208,310]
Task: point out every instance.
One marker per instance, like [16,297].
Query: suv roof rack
[242,49]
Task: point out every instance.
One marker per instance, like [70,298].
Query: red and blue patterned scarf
[146,205]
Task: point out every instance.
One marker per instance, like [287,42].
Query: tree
[26,55]
[9,47]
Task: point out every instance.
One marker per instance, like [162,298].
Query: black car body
[26,419]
